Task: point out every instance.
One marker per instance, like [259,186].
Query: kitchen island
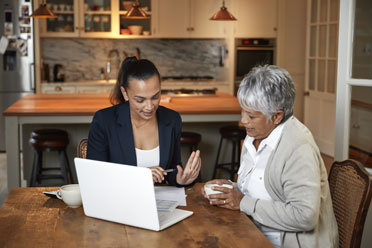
[74,109]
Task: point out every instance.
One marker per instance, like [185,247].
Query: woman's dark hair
[132,68]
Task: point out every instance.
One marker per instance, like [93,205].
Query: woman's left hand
[229,198]
[191,171]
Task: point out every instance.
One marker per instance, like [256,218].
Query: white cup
[209,191]
[70,194]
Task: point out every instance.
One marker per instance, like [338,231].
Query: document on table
[171,193]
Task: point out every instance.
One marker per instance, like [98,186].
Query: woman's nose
[149,105]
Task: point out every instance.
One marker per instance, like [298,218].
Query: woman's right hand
[217,181]
[158,174]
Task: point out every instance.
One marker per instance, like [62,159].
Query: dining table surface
[28,218]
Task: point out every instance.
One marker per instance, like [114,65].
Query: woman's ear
[278,117]
[124,93]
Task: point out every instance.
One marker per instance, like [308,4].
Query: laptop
[123,194]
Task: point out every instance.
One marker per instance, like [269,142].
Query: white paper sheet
[171,193]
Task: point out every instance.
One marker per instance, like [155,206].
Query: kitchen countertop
[88,104]
[72,109]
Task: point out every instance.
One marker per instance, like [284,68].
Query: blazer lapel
[165,138]
[125,135]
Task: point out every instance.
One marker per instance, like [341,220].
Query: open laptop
[123,194]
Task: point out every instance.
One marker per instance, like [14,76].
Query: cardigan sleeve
[301,183]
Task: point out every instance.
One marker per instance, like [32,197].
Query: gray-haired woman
[282,182]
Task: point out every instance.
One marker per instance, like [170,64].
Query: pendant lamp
[223,14]
[43,12]
[136,12]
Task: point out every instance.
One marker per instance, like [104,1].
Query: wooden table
[30,219]
[79,109]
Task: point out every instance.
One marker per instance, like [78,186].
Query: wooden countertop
[88,104]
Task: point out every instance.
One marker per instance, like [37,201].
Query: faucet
[108,63]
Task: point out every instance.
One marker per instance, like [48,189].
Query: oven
[251,52]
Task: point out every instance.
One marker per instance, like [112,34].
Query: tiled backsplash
[82,59]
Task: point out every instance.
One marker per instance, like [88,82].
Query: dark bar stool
[191,140]
[48,140]
[235,134]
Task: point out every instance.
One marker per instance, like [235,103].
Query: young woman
[137,131]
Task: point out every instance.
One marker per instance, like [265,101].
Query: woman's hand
[229,198]
[158,174]
[191,171]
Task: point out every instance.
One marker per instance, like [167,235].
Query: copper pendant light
[43,12]
[136,12]
[223,14]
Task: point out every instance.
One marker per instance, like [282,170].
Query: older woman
[282,182]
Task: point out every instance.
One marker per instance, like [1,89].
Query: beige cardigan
[296,179]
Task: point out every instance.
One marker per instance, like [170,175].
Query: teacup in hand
[209,191]
[70,194]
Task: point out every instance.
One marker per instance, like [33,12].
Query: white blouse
[147,158]
[252,170]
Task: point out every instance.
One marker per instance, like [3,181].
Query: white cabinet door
[57,89]
[172,18]
[96,89]
[256,19]
[200,13]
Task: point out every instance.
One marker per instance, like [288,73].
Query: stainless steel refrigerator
[17,63]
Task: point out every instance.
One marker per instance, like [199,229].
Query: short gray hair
[268,89]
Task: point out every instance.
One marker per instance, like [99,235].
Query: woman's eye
[251,117]
[156,97]
[139,101]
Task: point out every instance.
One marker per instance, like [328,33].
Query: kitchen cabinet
[57,89]
[91,18]
[187,19]
[258,19]
[80,88]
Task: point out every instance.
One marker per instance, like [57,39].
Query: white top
[147,158]
[252,170]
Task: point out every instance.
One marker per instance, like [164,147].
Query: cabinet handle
[306,93]
[58,88]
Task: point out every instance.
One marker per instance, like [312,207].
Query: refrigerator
[17,60]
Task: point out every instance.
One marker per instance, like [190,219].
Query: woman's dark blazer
[111,138]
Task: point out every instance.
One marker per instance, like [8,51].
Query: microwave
[252,52]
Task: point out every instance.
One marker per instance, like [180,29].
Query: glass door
[96,18]
[321,61]
[134,27]
[65,25]
[354,87]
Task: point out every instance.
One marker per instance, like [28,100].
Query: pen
[169,170]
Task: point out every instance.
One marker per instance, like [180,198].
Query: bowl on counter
[135,29]
[125,31]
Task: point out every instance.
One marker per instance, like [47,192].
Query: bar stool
[235,134]
[48,140]
[191,140]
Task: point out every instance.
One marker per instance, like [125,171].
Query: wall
[83,58]
[291,47]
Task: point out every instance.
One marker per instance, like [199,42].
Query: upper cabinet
[97,18]
[93,18]
[187,19]
[66,23]
[168,19]
[255,18]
